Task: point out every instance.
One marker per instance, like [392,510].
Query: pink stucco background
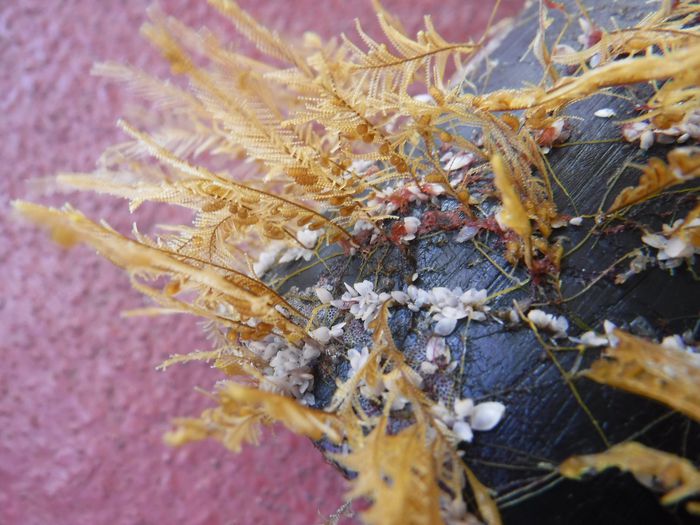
[82,408]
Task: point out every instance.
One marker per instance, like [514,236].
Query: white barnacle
[308,237]
[592,339]
[357,359]
[267,258]
[427,368]
[485,416]
[610,328]
[466,417]
[463,407]
[433,189]
[674,342]
[558,326]
[323,334]
[411,225]
[364,303]
[436,348]
[646,139]
[323,295]
[445,325]
[467,233]
[632,131]
[459,161]
[417,298]
[337,330]
[296,253]
[463,431]
[399,296]
[605,113]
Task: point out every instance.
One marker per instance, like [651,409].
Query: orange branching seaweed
[683,165]
[666,28]
[513,215]
[428,52]
[240,412]
[687,233]
[665,374]
[676,476]
[681,63]
[430,443]
[616,58]
[225,296]
[401,476]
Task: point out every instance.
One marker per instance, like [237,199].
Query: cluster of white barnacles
[446,306]
[384,387]
[323,334]
[384,202]
[681,342]
[465,417]
[362,301]
[593,339]
[363,225]
[558,326]
[279,252]
[288,369]
[644,131]
[673,247]
[462,419]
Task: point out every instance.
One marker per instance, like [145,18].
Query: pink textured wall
[82,409]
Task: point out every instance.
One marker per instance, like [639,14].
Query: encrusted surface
[544,422]
[82,409]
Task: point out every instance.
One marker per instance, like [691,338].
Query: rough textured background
[82,409]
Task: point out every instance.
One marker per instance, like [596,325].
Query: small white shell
[487,415]
[445,326]
[337,330]
[323,295]
[436,348]
[428,368]
[459,161]
[321,334]
[655,240]
[592,339]
[464,407]
[466,234]
[646,140]
[605,113]
[463,431]
[400,297]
